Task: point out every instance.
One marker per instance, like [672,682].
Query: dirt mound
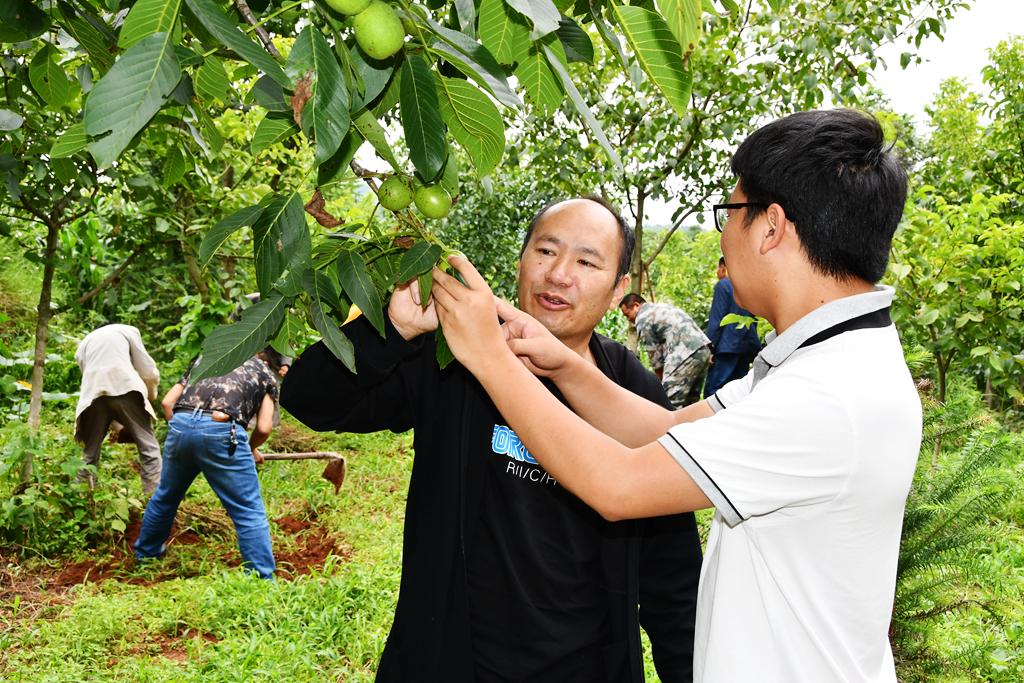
[172,647]
[313,544]
[288,438]
[291,525]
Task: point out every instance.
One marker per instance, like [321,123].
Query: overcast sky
[963,53]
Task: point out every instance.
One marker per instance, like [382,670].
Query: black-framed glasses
[721,211]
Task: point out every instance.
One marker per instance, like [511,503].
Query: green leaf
[541,83]
[327,172]
[226,31]
[498,87]
[929,316]
[128,96]
[419,259]
[64,169]
[658,53]
[212,81]
[269,95]
[321,294]
[542,13]
[577,44]
[48,78]
[212,136]
[373,74]
[175,167]
[776,5]
[224,228]
[325,115]
[229,346]
[475,61]
[442,352]
[71,141]
[359,287]
[980,351]
[581,107]
[503,31]
[91,32]
[146,18]
[270,131]
[10,120]
[473,121]
[371,131]
[426,284]
[291,329]
[683,19]
[21,20]
[421,118]
[280,240]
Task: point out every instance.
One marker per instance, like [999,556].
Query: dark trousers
[129,410]
[725,368]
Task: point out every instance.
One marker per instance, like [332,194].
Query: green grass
[202,619]
[220,624]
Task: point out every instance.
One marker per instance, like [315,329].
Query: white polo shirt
[808,465]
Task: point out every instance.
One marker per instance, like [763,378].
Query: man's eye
[546,252]
[587,264]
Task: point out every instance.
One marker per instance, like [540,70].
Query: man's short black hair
[632,299]
[721,260]
[626,232]
[836,180]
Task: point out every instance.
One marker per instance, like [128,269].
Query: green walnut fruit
[379,30]
[433,201]
[395,193]
[348,6]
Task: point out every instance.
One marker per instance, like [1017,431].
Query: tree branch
[675,226]
[243,9]
[114,274]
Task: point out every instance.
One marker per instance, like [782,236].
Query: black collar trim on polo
[874,319]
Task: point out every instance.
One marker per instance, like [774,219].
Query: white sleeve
[731,393]
[143,363]
[786,444]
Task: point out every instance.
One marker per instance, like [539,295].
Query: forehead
[580,224]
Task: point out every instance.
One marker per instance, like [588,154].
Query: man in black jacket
[506,576]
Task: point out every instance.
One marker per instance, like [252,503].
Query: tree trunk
[636,265]
[43,315]
[195,273]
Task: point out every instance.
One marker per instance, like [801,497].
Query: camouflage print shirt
[665,331]
[238,393]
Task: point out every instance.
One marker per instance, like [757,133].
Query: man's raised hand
[407,315]
[533,344]
[467,315]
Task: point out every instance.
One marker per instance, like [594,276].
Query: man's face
[630,312]
[567,271]
[739,247]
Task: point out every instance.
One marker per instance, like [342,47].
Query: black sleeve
[321,392]
[670,560]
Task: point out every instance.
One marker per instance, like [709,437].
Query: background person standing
[733,348]
[678,350]
[119,378]
[207,435]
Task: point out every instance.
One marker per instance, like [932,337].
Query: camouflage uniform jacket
[238,393]
[665,331]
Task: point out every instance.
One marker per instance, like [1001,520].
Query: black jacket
[399,387]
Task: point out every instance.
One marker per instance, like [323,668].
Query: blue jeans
[195,443]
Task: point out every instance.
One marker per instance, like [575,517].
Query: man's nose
[560,273]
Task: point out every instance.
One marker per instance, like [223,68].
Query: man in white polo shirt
[807,460]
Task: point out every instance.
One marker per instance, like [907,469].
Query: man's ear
[618,292]
[775,228]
